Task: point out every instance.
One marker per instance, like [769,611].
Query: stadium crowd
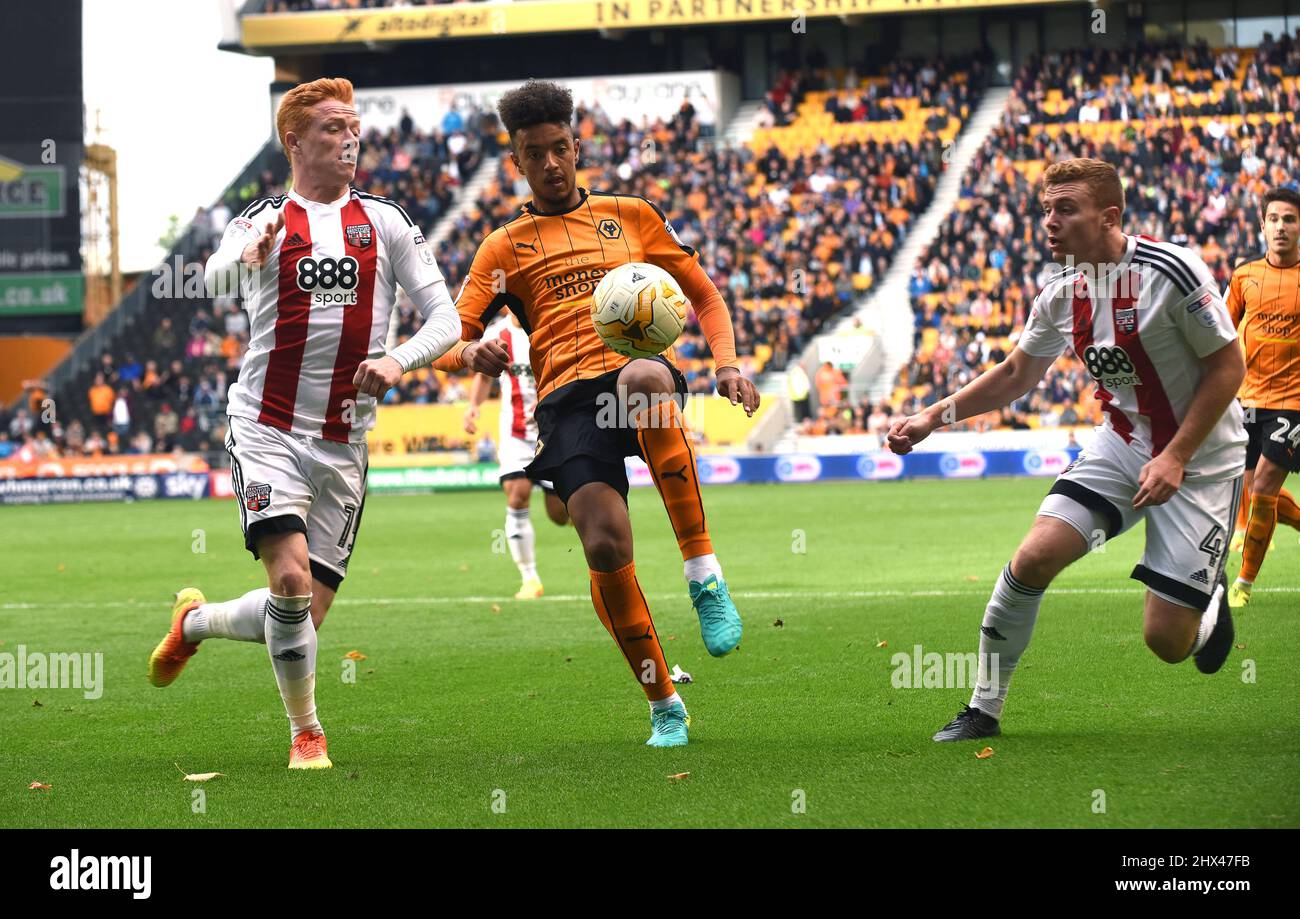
[793,235]
[1193,182]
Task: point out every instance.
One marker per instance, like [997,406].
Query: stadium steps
[466,199]
[741,127]
[888,307]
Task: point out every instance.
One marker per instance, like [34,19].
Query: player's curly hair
[1101,178]
[536,102]
[294,113]
[1278,193]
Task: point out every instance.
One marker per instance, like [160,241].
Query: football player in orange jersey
[596,407]
[1264,302]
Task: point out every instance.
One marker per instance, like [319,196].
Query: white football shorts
[294,483]
[1186,537]
[513,455]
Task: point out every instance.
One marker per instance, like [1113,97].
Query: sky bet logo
[30,191]
[103,872]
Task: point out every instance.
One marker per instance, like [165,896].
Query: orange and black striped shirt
[1264,302]
[544,267]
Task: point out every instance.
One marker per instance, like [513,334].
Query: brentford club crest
[257,497]
[1126,320]
[358,235]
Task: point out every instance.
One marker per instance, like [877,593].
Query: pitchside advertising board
[40,166]
[632,97]
[193,482]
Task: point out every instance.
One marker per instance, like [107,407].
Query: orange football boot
[308,752]
[172,653]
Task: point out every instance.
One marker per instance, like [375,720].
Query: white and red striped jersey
[321,305]
[1141,328]
[518,388]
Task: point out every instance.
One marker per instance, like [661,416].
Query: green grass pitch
[468,699]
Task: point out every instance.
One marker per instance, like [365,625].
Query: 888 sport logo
[331,282]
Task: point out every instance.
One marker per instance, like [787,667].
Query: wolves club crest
[257,497]
[359,235]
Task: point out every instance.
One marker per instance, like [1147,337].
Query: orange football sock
[1243,509]
[1263,520]
[666,444]
[623,612]
[1288,512]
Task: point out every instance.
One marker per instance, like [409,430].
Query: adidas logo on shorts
[1202,577]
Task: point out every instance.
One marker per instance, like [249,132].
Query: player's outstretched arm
[991,390]
[1160,478]
[415,270]
[440,331]
[665,249]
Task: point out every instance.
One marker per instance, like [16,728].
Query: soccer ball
[638,309]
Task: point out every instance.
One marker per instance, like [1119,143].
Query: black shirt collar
[582,199]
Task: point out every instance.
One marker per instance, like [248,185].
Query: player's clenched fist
[377,377]
[906,434]
[486,357]
[255,253]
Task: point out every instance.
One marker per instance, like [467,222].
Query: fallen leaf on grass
[197,776]
[39,786]
[1241,647]
[985,753]
[496,607]
[36,703]
[678,776]
[355,656]
[780,623]
[882,644]
[972,577]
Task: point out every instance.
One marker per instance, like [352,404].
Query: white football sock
[239,619]
[658,705]
[519,533]
[1008,624]
[1209,619]
[291,642]
[700,567]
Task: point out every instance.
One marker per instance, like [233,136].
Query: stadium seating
[1197,136]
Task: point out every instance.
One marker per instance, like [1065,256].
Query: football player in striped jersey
[318,270]
[1146,319]
[516,445]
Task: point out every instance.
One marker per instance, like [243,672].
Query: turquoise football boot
[669,726]
[720,625]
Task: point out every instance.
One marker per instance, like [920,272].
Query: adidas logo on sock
[288,656]
[993,633]
[1201,577]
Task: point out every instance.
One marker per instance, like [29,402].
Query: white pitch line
[573,598]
